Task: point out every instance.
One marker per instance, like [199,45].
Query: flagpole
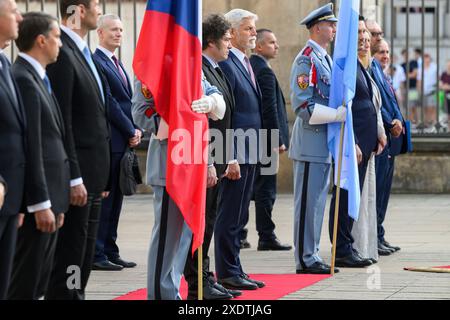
[200,272]
[338,193]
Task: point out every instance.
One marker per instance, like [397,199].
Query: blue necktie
[47,84]
[88,57]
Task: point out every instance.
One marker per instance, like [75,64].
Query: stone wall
[425,171]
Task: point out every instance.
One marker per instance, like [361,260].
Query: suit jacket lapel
[8,92]
[82,60]
[54,109]
[223,82]
[17,106]
[244,71]
[113,68]
[128,86]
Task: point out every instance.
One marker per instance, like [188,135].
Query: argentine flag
[343,85]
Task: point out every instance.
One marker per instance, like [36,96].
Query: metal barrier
[421,24]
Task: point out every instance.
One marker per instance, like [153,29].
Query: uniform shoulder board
[307,52]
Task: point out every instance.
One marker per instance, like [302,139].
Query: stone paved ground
[420,224]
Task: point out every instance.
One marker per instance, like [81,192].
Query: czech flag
[168,60]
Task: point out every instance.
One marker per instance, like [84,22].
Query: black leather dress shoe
[273,245]
[384,252]
[211,293]
[237,283]
[317,268]
[245,244]
[389,246]
[360,257]
[352,261]
[383,248]
[123,263]
[106,266]
[260,284]
[234,293]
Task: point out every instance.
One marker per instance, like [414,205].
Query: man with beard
[236,188]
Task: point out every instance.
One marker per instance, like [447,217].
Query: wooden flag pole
[200,272]
[338,193]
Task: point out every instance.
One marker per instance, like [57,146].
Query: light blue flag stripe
[343,85]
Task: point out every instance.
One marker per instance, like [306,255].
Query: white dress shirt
[213,63]
[241,56]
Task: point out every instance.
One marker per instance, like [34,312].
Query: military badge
[303,81]
[146,92]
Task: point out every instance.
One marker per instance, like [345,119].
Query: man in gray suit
[310,87]
[171,237]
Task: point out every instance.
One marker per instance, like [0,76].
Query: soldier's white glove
[341,114]
[204,105]
[214,105]
[323,114]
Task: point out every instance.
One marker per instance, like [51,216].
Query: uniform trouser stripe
[301,230]
[161,244]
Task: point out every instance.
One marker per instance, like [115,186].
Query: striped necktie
[250,71]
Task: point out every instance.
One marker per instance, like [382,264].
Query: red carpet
[277,286]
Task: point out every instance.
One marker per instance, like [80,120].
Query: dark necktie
[6,76]
[122,75]
[330,63]
[219,72]
[250,71]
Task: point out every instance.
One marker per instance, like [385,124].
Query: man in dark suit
[124,134]
[216,47]
[12,145]
[80,92]
[394,125]
[48,171]
[274,118]
[236,189]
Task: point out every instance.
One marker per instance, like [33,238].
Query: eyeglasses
[377,34]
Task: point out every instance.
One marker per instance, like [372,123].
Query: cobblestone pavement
[419,224]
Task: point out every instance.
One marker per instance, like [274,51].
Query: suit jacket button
[317,130]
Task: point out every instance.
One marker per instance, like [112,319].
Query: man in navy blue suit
[236,189]
[394,125]
[124,134]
